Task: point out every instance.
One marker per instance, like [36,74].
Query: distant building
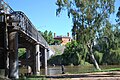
[64,39]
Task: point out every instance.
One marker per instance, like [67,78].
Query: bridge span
[17,31]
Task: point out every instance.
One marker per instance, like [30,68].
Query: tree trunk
[95,62]
[90,46]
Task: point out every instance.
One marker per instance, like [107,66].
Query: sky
[42,14]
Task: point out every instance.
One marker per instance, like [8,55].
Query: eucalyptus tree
[48,36]
[117,29]
[88,16]
[118,15]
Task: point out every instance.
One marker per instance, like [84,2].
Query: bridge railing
[24,23]
[5,8]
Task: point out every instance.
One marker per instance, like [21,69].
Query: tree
[48,36]
[73,52]
[108,44]
[118,15]
[88,17]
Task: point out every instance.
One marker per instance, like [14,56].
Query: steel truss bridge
[17,31]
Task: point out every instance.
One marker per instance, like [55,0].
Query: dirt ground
[87,76]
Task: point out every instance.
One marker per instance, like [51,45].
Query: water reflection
[52,70]
[68,69]
[74,69]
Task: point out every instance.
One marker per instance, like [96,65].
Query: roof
[61,37]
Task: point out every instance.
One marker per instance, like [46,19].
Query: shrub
[98,56]
[113,57]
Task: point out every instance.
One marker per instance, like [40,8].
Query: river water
[74,69]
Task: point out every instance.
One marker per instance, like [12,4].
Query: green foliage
[106,50]
[21,52]
[108,43]
[118,15]
[55,60]
[89,17]
[113,58]
[72,53]
[34,78]
[84,63]
[57,42]
[48,36]
[98,57]
[90,23]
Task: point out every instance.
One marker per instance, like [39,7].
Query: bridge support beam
[37,57]
[45,54]
[27,61]
[13,56]
[5,31]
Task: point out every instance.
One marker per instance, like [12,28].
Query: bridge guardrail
[5,8]
[26,25]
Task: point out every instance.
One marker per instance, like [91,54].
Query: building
[64,39]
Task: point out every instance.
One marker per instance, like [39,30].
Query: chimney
[54,35]
[68,34]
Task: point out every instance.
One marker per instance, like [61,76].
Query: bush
[57,60]
[72,53]
[21,52]
[98,57]
[113,57]
[84,63]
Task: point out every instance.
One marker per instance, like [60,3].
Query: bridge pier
[27,62]
[44,53]
[37,57]
[5,43]
[13,55]
[30,61]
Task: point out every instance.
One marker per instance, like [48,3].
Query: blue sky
[42,14]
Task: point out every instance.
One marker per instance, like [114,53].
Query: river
[74,69]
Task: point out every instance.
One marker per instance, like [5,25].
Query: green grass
[112,69]
[32,78]
[107,70]
[95,70]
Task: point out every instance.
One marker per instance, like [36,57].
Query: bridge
[17,31]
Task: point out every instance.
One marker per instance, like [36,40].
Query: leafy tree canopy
[89,17]
[48,36]
[118,15]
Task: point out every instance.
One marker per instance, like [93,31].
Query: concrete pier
[37,52]
[45,54]
[13,55]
